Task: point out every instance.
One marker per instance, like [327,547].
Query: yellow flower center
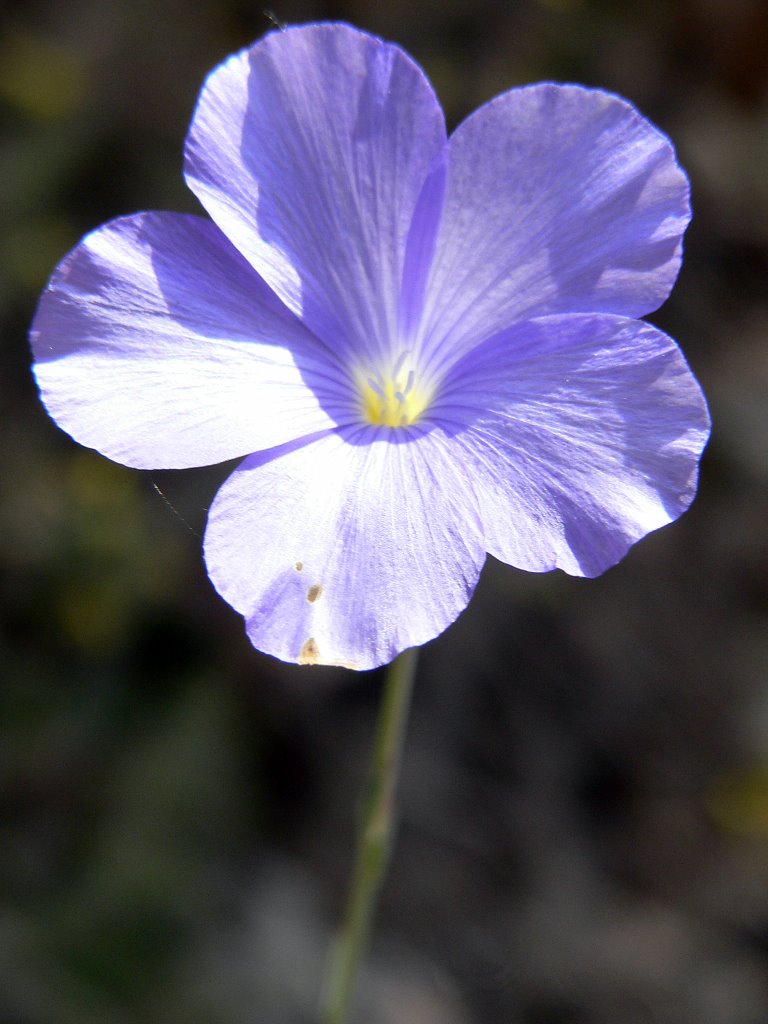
[393,398]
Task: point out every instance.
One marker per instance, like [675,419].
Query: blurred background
[584,802]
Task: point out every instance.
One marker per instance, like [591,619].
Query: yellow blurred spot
[41,77]
[738,801]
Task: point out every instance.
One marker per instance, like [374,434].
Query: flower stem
[375,839]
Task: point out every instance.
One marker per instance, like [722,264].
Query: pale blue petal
[310,151]
[157,344]
[581,433]
[559,199]
[347,550]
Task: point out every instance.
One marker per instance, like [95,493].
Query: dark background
[584,802]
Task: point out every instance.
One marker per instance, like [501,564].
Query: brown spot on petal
[314,592]
[309,653]
[298,566]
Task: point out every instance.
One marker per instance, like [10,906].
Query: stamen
[393,398]
[398,364]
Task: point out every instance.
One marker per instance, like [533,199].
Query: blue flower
[426,348]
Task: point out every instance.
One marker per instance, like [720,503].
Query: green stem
[374,841]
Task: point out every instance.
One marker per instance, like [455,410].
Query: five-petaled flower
[426,348]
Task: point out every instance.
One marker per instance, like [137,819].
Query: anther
[374,386]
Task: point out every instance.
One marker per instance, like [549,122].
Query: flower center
[393,398]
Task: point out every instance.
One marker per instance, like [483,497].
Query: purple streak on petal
[582,433]
[157,344]
[310,151]
[420,249]
[348,550]
[560,199]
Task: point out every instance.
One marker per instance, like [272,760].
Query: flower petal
[349,549]
[582,434]
[310,151]
[559,199]
[158,345]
